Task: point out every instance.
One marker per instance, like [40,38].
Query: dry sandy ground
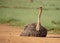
[9,34]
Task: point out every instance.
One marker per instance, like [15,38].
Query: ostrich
[35,29]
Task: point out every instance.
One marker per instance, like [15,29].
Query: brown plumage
[35,29]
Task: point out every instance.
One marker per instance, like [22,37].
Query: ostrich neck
[39,20]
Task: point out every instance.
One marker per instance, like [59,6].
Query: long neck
[38,21]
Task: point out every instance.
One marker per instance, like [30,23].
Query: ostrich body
[35,29]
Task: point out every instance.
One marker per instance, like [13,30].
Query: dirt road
[10,34]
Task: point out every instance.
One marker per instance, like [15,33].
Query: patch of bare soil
[10,34]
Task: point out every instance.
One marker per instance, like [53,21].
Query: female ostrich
[35,29]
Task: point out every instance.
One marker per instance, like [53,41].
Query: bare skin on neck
[39,21]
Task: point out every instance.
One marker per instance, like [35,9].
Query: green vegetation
[21,12]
